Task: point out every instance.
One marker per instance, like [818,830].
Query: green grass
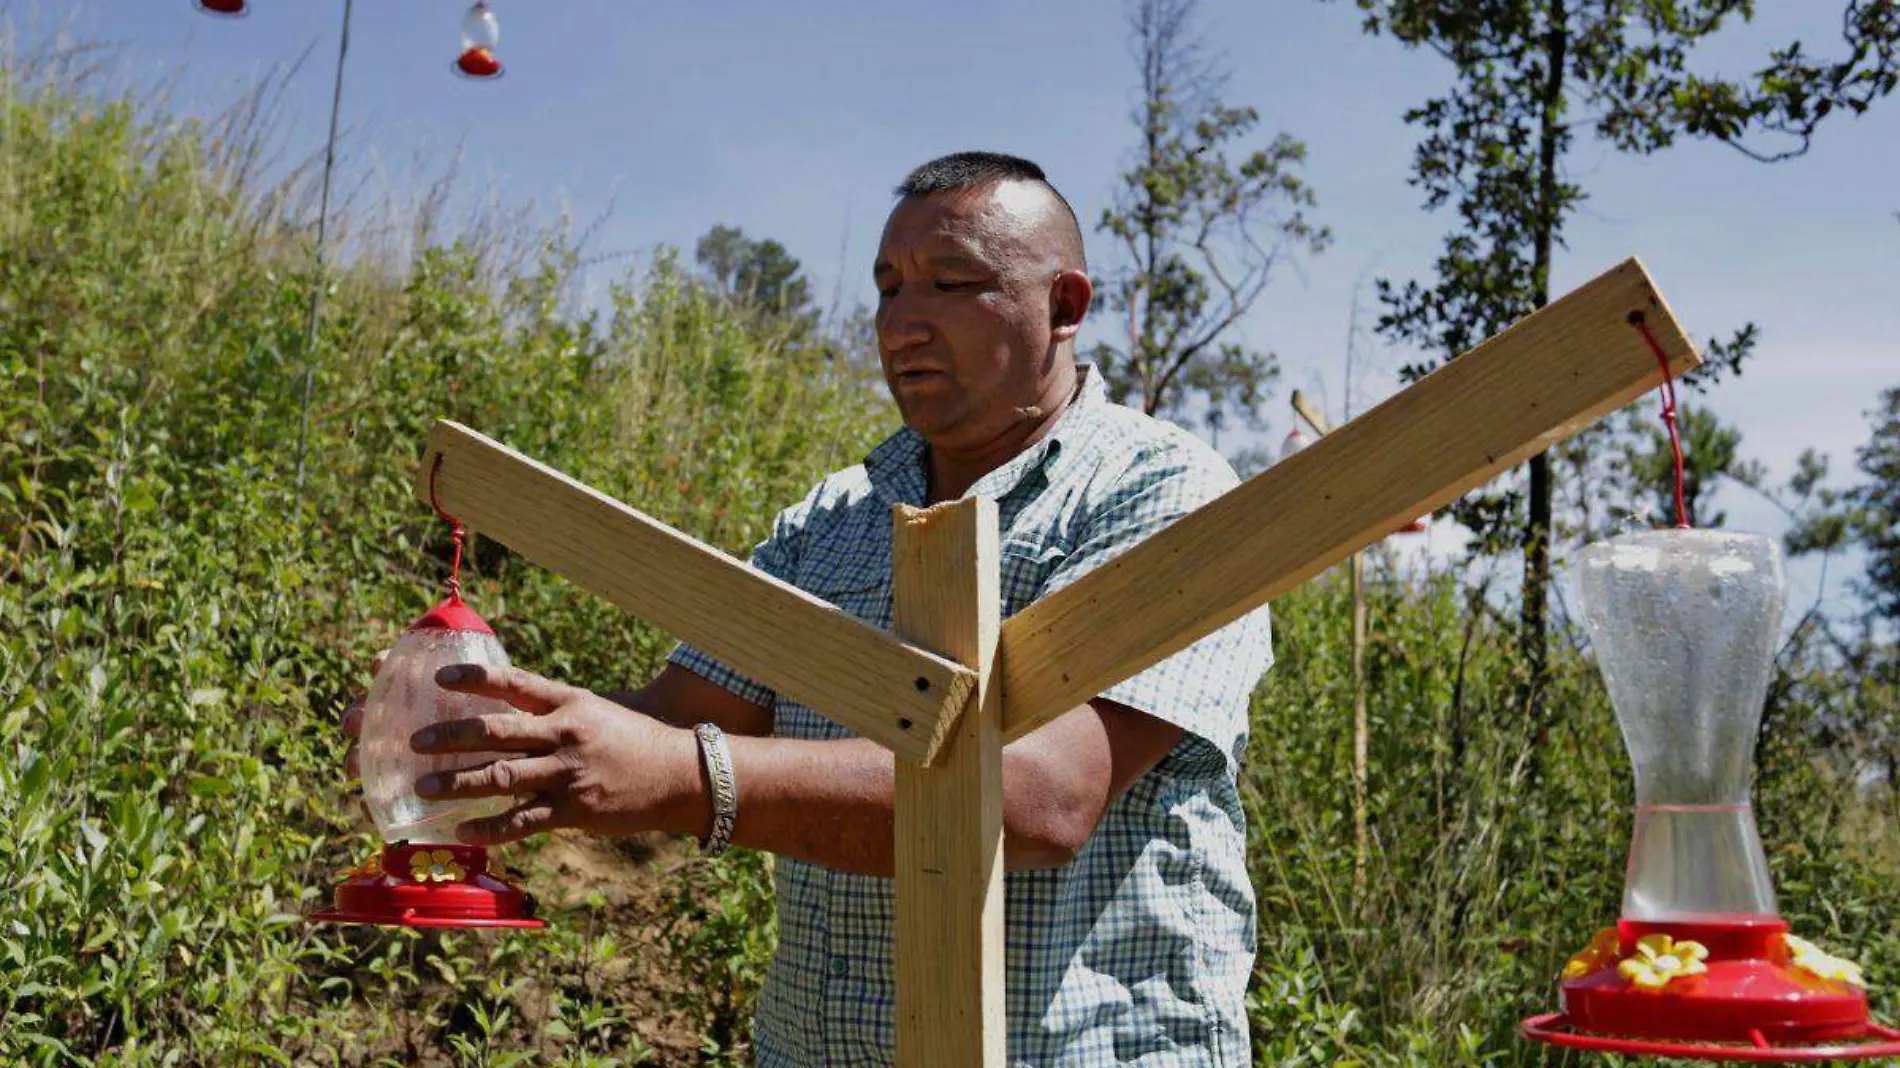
[180,623]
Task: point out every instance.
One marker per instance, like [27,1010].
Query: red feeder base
[478,63]
[1751,1004]
[429,886]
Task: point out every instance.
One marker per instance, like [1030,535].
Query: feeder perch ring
[1555,1028]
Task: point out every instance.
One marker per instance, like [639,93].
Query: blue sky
[793,120]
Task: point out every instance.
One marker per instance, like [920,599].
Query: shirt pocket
[1027,563]
[868,602]
[853,577]
[849,566]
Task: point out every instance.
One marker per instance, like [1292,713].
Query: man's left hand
[583,761]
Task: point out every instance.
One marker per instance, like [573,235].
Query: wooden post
[949,846]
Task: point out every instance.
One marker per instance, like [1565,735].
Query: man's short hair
[969,170]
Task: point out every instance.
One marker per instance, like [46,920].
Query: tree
[758,273]
[1873,515]
[1494,145]
[1866,660]
[1198,233]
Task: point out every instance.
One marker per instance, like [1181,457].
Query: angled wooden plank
[1549,375]
[899,696]
[949,818]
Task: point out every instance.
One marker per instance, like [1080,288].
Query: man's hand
[584,762]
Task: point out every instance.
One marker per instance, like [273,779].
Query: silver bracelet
[725,790]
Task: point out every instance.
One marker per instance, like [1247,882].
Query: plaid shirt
[1139,949]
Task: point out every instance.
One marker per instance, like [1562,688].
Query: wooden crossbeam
[903,697]
[1538,382]
[946,594]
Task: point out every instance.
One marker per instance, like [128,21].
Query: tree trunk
[1535,637]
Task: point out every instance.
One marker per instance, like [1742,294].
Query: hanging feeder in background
[424,877]
[481,34]
[229,9]
[1296,441]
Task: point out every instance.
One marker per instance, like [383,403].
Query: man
[1130,921]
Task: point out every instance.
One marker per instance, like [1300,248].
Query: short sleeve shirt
[1137,951]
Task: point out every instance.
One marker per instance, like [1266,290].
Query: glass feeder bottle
[1683,625]
[404,699]
[481,35]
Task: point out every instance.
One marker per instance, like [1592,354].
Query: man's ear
[1069,297]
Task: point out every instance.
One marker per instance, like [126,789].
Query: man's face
[963,312]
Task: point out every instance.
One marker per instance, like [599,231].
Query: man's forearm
[832,803]
[829,803]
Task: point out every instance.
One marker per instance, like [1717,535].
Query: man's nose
[899,326]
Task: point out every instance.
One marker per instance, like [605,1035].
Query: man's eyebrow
[957,261]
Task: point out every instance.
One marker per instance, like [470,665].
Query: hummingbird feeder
[1700,964]
[230,9]
[424,877]
[481,33]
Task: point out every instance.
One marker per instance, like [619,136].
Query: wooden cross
[957,682]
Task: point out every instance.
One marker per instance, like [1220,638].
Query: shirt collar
[896,466]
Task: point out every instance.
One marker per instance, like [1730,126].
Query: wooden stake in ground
[1361,730]
[1550,375]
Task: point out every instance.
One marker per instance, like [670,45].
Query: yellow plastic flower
[1821,964]
[1598,955]
[437,866]
[1660,959]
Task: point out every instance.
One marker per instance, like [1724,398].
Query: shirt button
[840,967]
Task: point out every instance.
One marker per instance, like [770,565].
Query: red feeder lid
[452,613]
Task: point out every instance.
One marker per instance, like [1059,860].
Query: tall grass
[179,628]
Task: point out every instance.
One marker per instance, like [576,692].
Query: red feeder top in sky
[481,33]
[227,8]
